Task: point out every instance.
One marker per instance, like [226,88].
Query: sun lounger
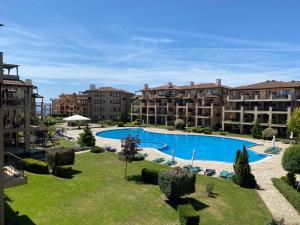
[158,160]
[224,174]
[195,169]
[170,163]
[145,155]
[230,175]
[109,149]
[210,172]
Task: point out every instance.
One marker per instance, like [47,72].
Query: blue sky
[66,45]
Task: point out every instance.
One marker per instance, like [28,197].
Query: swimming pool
[209,148]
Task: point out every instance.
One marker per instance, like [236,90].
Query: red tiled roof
[110,89]
[184,87]
[270,85]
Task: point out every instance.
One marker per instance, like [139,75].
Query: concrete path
[263,170]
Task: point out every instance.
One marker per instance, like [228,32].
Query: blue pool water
[207,147]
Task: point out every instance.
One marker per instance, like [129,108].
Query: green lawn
[97,194]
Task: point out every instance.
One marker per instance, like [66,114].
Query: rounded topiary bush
[268,133]
[291,162]
[176,183]
[291,159]
[179,124]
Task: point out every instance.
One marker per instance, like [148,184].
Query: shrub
[276,222]
[222,133]
[288,192]
[188,215]
[257,130]
[291,161]
[36,166]
[60,157]
[109,122]
[138,157]
[97,149]
[62,171]
[176,183]
[210,189]
[150,176]
[179,124]
[120,124]
[207,130]
[268,133]
[294,123]
[87,138]
[242,170]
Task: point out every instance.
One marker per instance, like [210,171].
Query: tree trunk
[125,170]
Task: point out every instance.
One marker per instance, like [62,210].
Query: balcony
[13,102]
[13,171]
[13,126]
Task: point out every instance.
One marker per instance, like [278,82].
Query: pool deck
[263,170]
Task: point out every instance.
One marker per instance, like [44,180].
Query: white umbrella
[273,142]
[173,155]
[193,156]
[76,118]
[292,135]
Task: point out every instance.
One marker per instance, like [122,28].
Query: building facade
[15,117]
[107,103]
[196,104]
[214,105]
[270,103]
[70,104]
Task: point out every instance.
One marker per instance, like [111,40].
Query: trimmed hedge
[138,157]
[291,194]
[97,149]
[176,183]
[150,176]
[36,166]
[60,157]
[188,215]
[62,171]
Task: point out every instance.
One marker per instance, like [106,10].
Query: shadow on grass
[135,178]
[183,201]
[213,195]
[70,175]
[14,218]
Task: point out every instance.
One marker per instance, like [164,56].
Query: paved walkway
[263,170]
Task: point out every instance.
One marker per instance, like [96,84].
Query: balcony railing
[14,126]
[13,170]
[13,102]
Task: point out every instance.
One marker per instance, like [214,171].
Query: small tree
[291,162]
[176,183]
[130,147]
[257,130]
[242,169]
[179,124]
[87,138]
[294,122]
[268,133]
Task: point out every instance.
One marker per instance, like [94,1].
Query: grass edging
[292,195]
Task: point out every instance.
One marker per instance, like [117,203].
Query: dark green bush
[291,162]
[290,193]
[62,171]
[188,215]
[150,176]
[176,183]
[120,124]
[179,124]
[257,130]
[36,166]
[97,149]
[109,122]
[60,157]
[222,133]
[276,222]
[138,157]
[242,170]
[207,130]
[87,138]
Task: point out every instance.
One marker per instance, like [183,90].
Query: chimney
[28,81]
[192,83]
[92,87]
[170,84]
[219,82]
[146,86]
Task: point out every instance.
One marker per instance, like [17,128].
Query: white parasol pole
[193,156]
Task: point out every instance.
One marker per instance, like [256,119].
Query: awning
[76,118]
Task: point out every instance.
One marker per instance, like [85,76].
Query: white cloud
[153,40]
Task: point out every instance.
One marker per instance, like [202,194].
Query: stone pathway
[263,170]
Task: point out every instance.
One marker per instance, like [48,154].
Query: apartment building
[214,105]
[70,104]
[196,104]
[270,103]
[107,103]
[15,115]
